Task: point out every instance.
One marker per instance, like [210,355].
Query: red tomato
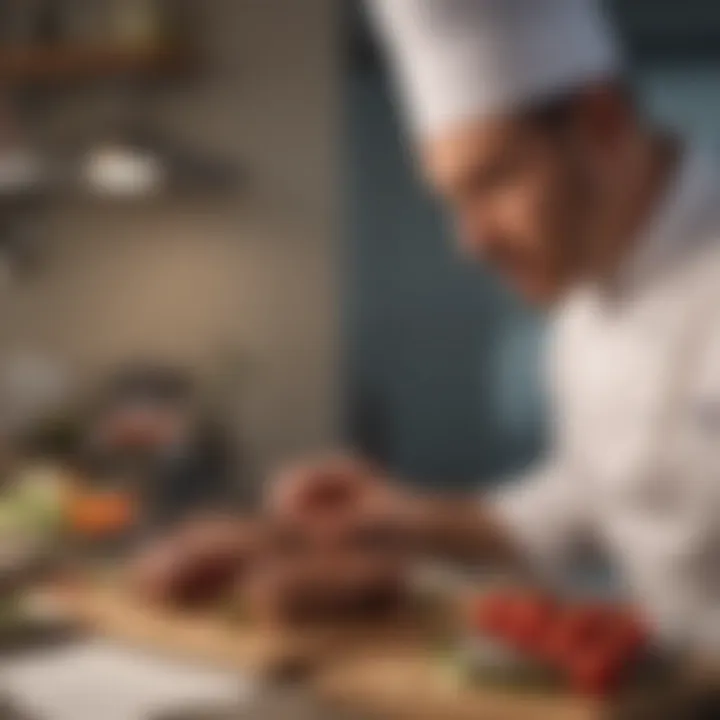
[628,638]
[597,674]
[557,646]
[487,615]
[576,631]
[636,631]
[513,619]
[530,619]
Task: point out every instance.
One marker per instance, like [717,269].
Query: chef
[522,122]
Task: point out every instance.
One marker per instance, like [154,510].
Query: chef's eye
[486,182]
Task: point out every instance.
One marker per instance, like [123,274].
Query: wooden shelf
[55,65]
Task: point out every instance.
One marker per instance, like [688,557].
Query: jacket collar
[673,230]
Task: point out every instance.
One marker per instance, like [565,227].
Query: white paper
[99,681]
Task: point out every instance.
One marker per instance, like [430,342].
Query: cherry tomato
[576,631]
[530,619]
[636,632]
[488,614]
[597,673]
[628,638]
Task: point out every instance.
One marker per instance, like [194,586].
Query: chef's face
[527,194]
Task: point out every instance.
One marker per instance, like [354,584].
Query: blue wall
[443,365]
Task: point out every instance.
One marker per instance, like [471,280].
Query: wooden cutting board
[386,672]
[208,637]
[202,637]
[409,684]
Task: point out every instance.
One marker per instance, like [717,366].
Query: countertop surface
[94,679]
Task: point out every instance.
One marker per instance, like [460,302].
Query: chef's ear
[608,115]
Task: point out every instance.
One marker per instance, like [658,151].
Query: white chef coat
[635,388]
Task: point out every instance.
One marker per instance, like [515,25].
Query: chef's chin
[536,288]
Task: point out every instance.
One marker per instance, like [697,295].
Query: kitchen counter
[91,679]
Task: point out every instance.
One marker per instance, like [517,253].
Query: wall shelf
[58,65]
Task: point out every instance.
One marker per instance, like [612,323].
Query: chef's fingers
[335,481]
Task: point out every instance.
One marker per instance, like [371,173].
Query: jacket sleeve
[545,516]
[544,510]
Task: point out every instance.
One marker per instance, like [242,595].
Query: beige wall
[215,281]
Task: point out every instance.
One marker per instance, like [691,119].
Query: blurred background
[170,190]
[214,256]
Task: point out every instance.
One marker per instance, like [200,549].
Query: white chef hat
[457,60]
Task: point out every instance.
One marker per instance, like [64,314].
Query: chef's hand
[197,562]
[349,497]
[325,583]
[340,495]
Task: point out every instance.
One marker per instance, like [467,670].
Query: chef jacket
[634,378]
